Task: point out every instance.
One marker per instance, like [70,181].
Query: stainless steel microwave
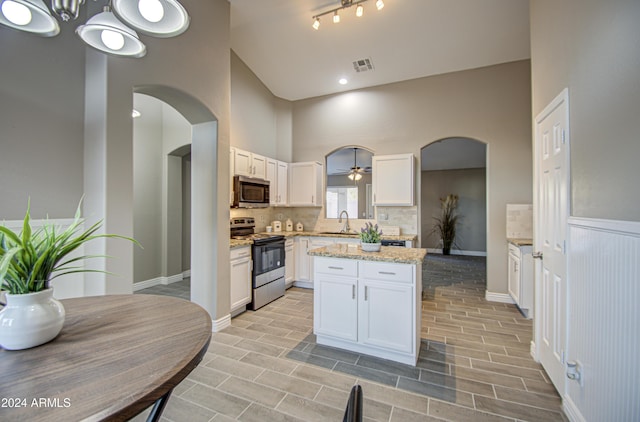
[250,192]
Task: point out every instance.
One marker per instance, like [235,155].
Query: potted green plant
[445,226]
[370,237]
[29,261]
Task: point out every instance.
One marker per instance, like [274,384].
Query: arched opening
[175,154]
[455,166]
[348,182]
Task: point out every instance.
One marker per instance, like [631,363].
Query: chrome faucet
[346,227]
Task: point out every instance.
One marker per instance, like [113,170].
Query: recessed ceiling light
[342,81]
[135,113]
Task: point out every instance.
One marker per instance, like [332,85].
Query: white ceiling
[407,39]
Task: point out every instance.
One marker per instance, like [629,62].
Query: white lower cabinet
[520,277]
[335,307]
[385,315]
[304,262]
[240,289]
[289,262]
[368,307]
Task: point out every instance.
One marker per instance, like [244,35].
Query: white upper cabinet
[283,183]
[393,177]
[248,164]
[305,184]
[278,176]
[272,177]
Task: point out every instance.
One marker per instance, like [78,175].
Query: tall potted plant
[445,225]
[29,261]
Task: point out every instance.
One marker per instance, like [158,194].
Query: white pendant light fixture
[30,16]
[106,33]
[158,18]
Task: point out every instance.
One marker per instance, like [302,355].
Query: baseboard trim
[221,323]
[157,281]
[458,252]
[303,284]
[186,273]
[571,410]
[147,283]
[173,278]
[499,297]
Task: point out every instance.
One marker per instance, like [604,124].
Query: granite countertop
[386,254]
[236,243]
[520,242]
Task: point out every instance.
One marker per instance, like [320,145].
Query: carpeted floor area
[445,270]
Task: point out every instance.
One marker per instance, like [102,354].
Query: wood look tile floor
[474,364]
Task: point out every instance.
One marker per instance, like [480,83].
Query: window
[342,198]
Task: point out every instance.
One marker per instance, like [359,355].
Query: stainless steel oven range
[268,255]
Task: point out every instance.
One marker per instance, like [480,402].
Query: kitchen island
[369,302]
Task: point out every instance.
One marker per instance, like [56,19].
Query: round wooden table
[115,357]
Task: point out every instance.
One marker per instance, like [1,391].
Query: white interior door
[552,211]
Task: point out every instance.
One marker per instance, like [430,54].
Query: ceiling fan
[356,172]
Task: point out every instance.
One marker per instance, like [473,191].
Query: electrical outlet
[262,218]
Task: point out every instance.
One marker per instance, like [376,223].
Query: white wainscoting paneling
[604,319]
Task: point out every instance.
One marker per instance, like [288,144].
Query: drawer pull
[386,273]
[336,268]
[366,291]
[353,291]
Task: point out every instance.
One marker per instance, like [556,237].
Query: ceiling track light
[111,32]
[344,4]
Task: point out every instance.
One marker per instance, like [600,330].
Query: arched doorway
[455,166]
[161,178]
[185,129]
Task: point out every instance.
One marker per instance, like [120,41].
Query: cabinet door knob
[537,255]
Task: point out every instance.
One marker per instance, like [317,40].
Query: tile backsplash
[520,221]
[312,218]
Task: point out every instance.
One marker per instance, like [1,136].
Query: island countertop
[387,253]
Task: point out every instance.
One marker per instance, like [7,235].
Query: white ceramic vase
[30,320]
[370,247]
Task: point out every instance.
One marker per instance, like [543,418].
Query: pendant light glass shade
[30,16]
[106,33]
[158,18]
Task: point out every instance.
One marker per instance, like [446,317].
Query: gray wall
[147,188]
[41,116]
[491,104]
[591,47]
[470,186]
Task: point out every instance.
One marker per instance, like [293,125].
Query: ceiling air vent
[363,65]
